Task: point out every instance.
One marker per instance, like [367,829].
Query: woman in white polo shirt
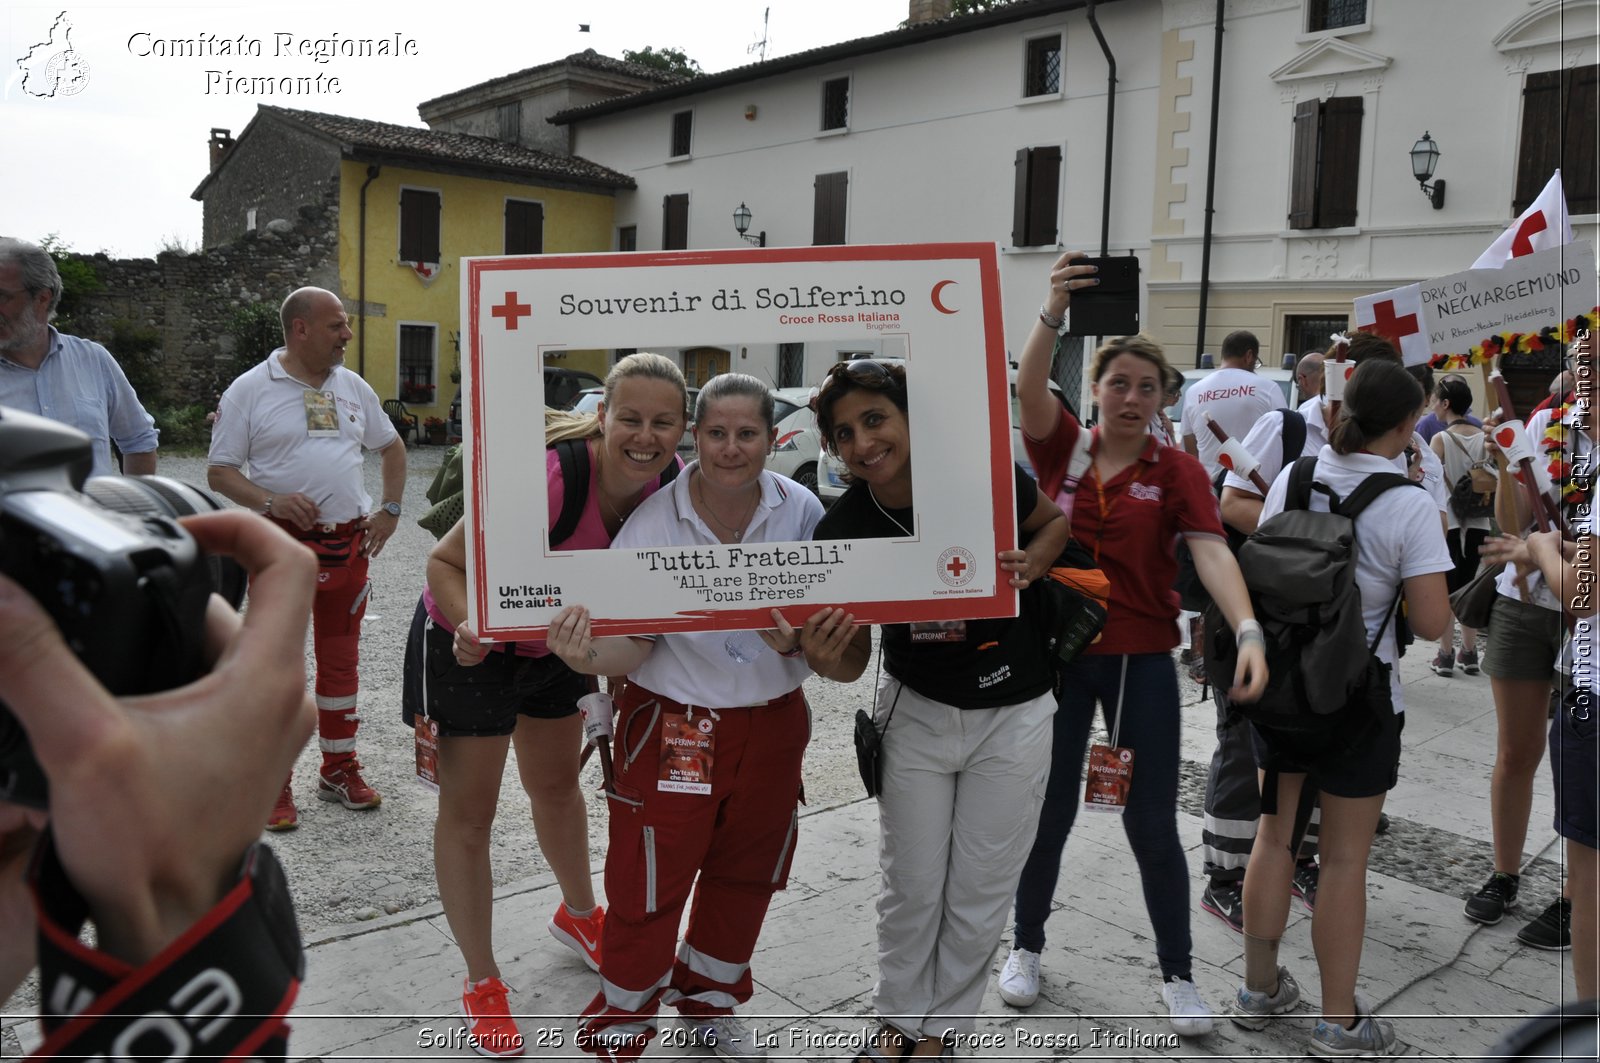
[710,731]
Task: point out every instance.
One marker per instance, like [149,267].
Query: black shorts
[1353,760]
[486,699]
[1574,762]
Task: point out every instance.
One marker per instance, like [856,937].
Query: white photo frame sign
[942,301]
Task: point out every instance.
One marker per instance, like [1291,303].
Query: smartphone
[1110,308]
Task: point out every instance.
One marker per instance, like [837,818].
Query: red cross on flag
[1542,226]
[1397,316]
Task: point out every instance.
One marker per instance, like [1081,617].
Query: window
[416,376]
[682,133]
[836,103]
[675,222]
[827,225]
[1033,211]
[509,117]
[628,238]
[1043,75]
[250,219]
[419,225]
[1327,163]
[1334,14]
[524,227]
[1303,335]
[1559,116]
[791,365]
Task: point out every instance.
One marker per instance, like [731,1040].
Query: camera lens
[159,496]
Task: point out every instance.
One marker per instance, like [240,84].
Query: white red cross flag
[1397,316]
[1542,226]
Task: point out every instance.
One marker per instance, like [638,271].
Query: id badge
[939,631]
[1110,777]
[427,742]
[322,416]
[688,748]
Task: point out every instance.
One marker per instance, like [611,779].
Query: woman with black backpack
[1460,447]
[1354,760]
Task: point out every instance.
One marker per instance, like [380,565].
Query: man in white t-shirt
[299,422]
[1234,397]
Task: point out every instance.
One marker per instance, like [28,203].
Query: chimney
[221,144]
[928,11]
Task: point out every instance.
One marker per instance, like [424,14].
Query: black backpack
[1192,594]
[1299,567]
[574,457]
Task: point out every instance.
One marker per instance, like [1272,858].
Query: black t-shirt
[971,664]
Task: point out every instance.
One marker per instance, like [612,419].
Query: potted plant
[420,394]
[435,429]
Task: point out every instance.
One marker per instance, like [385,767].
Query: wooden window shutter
[1339,168]
[827,225]
[1019,201]
[1579,173]
[1303,175]
[1044,181]
[419,225]
[675,222]
[1559,117]
[524,227]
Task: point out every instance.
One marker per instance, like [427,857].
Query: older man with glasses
[65,378]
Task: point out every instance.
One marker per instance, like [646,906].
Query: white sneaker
[727,1035]
[1019,978]
[1188,1014]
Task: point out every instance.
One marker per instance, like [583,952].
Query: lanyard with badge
[322,414]
[1110,775]
[426,729]
[688,749]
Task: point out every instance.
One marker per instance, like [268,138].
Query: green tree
[670,60]
[78,279]
[256,331]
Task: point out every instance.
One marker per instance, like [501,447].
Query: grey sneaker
[1370,1038]
[1018,983]
[1254,1010]
[727,1035]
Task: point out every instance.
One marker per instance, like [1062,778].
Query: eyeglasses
[863,372]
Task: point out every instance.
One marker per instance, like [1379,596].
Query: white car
[795,452]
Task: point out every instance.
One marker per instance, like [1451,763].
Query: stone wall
[187,299]
[272,170]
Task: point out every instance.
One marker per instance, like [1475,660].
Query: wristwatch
[392,508]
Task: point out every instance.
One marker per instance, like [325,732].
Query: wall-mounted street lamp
[741,224]
[1424,157]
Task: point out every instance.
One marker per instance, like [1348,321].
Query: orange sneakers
[580,935]
[491,1031]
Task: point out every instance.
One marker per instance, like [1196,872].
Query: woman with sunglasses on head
[522,696]
[710,731]
[1135,498]
[964,711]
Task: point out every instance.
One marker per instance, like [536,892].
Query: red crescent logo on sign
[934,296]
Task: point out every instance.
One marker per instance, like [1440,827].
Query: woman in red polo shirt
[1135,498]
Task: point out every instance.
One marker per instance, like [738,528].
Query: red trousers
[341,602]
[739,839]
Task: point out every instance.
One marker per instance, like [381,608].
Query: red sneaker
[580,935]
[491,1031]
[284,815]
[342,782]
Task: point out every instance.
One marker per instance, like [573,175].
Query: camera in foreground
[107,559]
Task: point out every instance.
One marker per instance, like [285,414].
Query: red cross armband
[220,990]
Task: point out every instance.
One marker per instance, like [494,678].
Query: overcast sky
[111,166]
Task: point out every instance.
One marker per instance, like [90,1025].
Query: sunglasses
[863,372]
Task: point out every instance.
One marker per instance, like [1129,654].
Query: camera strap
[220,990]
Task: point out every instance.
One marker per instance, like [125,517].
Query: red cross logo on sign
[1386,324]
[512,310]
[956,567]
